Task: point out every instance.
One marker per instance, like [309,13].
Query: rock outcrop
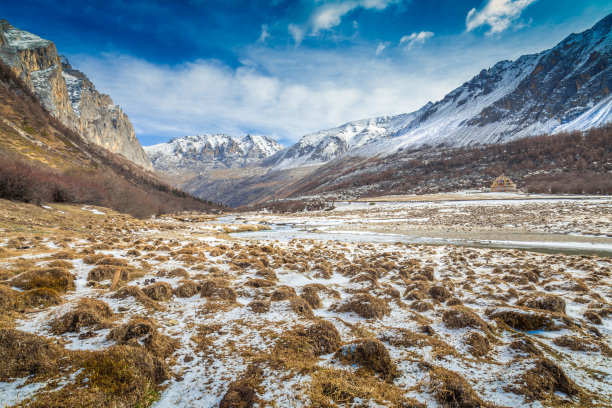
[68,94]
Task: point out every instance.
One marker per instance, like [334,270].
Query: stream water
[317,230]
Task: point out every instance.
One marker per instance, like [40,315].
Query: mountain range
[558,90]
[204,152]
[561,89]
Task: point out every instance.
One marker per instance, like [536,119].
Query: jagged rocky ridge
[203,152]
[68,94]
[560,89]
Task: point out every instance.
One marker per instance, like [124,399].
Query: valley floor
[397,304]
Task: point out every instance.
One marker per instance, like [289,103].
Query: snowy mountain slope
[200,152]
[320,147]
[560,89]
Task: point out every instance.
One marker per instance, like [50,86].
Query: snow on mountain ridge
[559,89]
[199,152]
[22,40]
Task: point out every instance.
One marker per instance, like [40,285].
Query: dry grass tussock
[89,313]
[141,331]
[58,279]
[364,305]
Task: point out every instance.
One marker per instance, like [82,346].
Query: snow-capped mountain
[201,152]
[561,89]
[320,147]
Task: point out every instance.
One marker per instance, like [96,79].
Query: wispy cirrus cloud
[408,41]
[381,47]
[265,34]
[498,15]
[326,15]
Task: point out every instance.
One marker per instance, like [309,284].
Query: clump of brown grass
[92,259]
[60,263]
[450,389]
[525,319]
[410,339]
[106,272]
[310,295]
[592,317]
[457,317]
[421,306]
[217,290]
[120,376]
[142,330]
[90,313]
[267,274]
[174,273]
[478,345]
[58,279]
[187,289]
[440,293]
[527,346]
[543,301]
[160,291]
[576,343]
[454,302]
[414,294]
[364,305]
[238,396]
[68,254]
[334,388]
[136,293]
[322,336]
[260,283]
[259,306]
[24,354]
[41,297]
[112,261]
[546,378]
[283,293]
[301,307]
[133,252]
[370,354]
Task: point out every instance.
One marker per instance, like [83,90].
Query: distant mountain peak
[205,151]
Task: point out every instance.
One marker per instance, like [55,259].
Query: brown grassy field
[102,309]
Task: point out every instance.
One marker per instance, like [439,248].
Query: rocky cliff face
[68,94]
[205,152]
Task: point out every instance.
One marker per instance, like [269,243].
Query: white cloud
[328,14]
[296,32]
[497,14]
[281,94]
[415,38]
[265,34]
[381,47]
[289,92]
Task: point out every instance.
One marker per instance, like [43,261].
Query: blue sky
[288,68]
